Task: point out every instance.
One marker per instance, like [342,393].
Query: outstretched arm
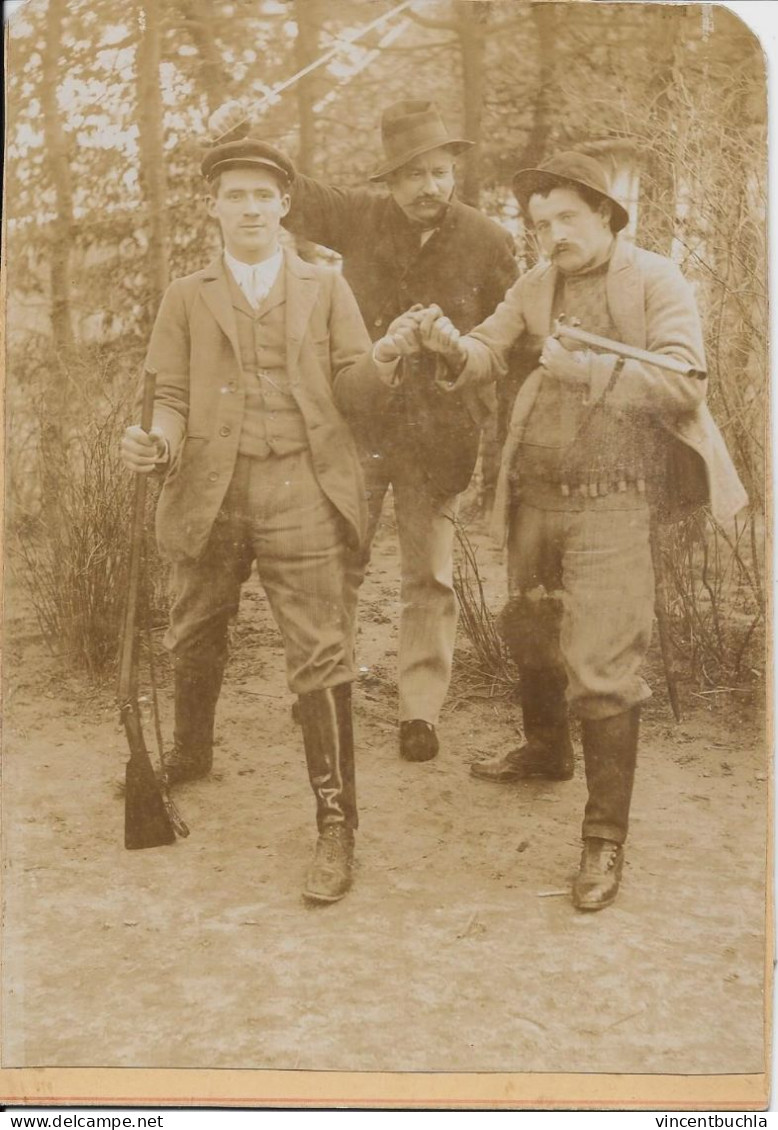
[325,214]
[361,381]
[482,354]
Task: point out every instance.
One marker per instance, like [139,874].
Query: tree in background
[107,112]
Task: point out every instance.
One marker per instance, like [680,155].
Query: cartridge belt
[606,493]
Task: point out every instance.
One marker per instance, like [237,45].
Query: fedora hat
[574,167]
[409,128]
[230,152]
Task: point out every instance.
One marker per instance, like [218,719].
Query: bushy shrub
[71,553]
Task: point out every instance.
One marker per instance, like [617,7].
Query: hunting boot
[325,717]
[548,751]
[197,687]
[610,753]
[418,740]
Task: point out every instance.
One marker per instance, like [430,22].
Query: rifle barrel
[128,674]
[628,352]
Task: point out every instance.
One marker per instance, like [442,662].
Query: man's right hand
[227,118]
[143,452]
[401,338]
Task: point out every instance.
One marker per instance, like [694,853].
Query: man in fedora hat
[414,245]
[597,447]
[255,356]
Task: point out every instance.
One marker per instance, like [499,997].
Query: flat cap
[246,152]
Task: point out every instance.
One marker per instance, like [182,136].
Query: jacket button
[213,476]
[378,322]
[224,430]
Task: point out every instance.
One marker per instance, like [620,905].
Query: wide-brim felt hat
[408,129]
[571,166]
[246,152]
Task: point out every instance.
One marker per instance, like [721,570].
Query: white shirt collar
[255,279]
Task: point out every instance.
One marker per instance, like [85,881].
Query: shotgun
[571,330]
[150,817]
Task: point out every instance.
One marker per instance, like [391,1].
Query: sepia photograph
[386,556]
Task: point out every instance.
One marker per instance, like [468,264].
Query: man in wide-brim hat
[598,448]
[413,244]
[257,355]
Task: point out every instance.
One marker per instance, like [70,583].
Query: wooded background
[107,104]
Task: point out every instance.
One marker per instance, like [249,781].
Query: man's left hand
[401,338]
[568,366]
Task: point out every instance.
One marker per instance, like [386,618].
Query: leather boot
[325,717]
[197,687]
[418,740]
[599,874]
[548,751]
[610,754]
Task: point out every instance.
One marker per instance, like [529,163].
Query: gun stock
[149,817]
[147,821]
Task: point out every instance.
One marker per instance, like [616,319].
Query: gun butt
[146,820]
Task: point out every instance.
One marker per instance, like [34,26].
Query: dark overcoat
[465,267]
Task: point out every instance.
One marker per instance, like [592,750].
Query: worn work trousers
[274,513]
[428,612]
[581,600]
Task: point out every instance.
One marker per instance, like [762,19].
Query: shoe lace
[330,845]
[609,854]
[603,858]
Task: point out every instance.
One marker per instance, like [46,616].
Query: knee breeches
[276,514]
[581,597]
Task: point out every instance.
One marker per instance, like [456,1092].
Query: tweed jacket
[200,399]
[464,267]
[652,307]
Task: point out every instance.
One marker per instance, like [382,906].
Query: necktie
[257,289]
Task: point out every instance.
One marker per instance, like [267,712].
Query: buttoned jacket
[652,307]
[465,267]
[200,394]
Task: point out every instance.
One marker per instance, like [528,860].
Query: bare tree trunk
[54,400]
[544,17]
[471,23]
[306,50]
[150,145]
[199,19]
[59,171]
[656,219]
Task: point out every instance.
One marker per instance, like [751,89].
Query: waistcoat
[272,421]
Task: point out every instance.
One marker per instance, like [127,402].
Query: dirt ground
[458,948]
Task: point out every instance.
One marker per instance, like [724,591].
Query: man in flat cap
[256,355]
[414,245]
[598,446]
